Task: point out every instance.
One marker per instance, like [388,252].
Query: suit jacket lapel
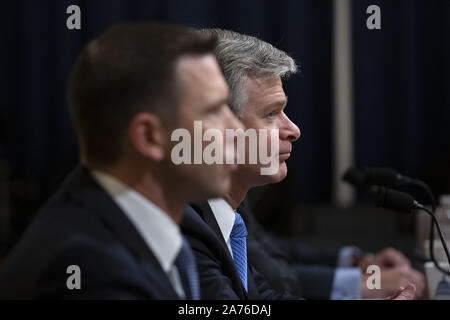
[205,211]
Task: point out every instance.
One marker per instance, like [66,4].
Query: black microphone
[403,202]
[391,178]
[355,177]
[394,200]
[383,176]
[358,179]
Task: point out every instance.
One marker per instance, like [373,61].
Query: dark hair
[126,70]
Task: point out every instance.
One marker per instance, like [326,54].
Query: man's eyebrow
[277,103]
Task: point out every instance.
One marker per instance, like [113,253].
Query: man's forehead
[202,71]
[264,81]
[267,90]
[197,65]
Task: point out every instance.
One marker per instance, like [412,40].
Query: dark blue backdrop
[38,52]
[402,89]
[401,74]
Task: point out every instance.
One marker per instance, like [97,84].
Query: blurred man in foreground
[111,230]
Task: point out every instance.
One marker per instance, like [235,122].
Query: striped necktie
[238,243]
[187,269]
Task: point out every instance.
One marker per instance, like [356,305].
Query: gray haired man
[253,70]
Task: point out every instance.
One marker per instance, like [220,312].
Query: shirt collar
[224,215]
[161,234]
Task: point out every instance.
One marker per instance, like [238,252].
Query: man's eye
[271,114]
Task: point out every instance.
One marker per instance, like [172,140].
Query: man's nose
[289,131]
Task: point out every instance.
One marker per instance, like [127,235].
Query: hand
[387,258]
[391,280]
[403,293]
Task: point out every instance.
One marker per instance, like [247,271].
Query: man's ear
[148,136]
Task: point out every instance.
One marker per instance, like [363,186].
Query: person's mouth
[284,156]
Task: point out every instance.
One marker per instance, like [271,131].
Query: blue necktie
[238,243]
[187,268]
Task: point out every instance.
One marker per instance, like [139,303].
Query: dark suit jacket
[81,225]
[219,278]
[289,265]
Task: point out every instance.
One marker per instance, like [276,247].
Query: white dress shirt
[161,234]
[225,217]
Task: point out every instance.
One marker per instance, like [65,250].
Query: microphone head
[394,200]
[382,176]
[355,177]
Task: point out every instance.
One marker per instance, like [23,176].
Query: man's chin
[282,173]
[277,177]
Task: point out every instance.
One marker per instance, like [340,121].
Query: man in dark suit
[219,277]
[253,70]
[111,230]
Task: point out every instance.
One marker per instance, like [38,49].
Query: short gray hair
[239,55]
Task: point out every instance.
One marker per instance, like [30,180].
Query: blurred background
[363,97]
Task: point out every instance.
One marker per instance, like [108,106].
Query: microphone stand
[432,198]
[444,243]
